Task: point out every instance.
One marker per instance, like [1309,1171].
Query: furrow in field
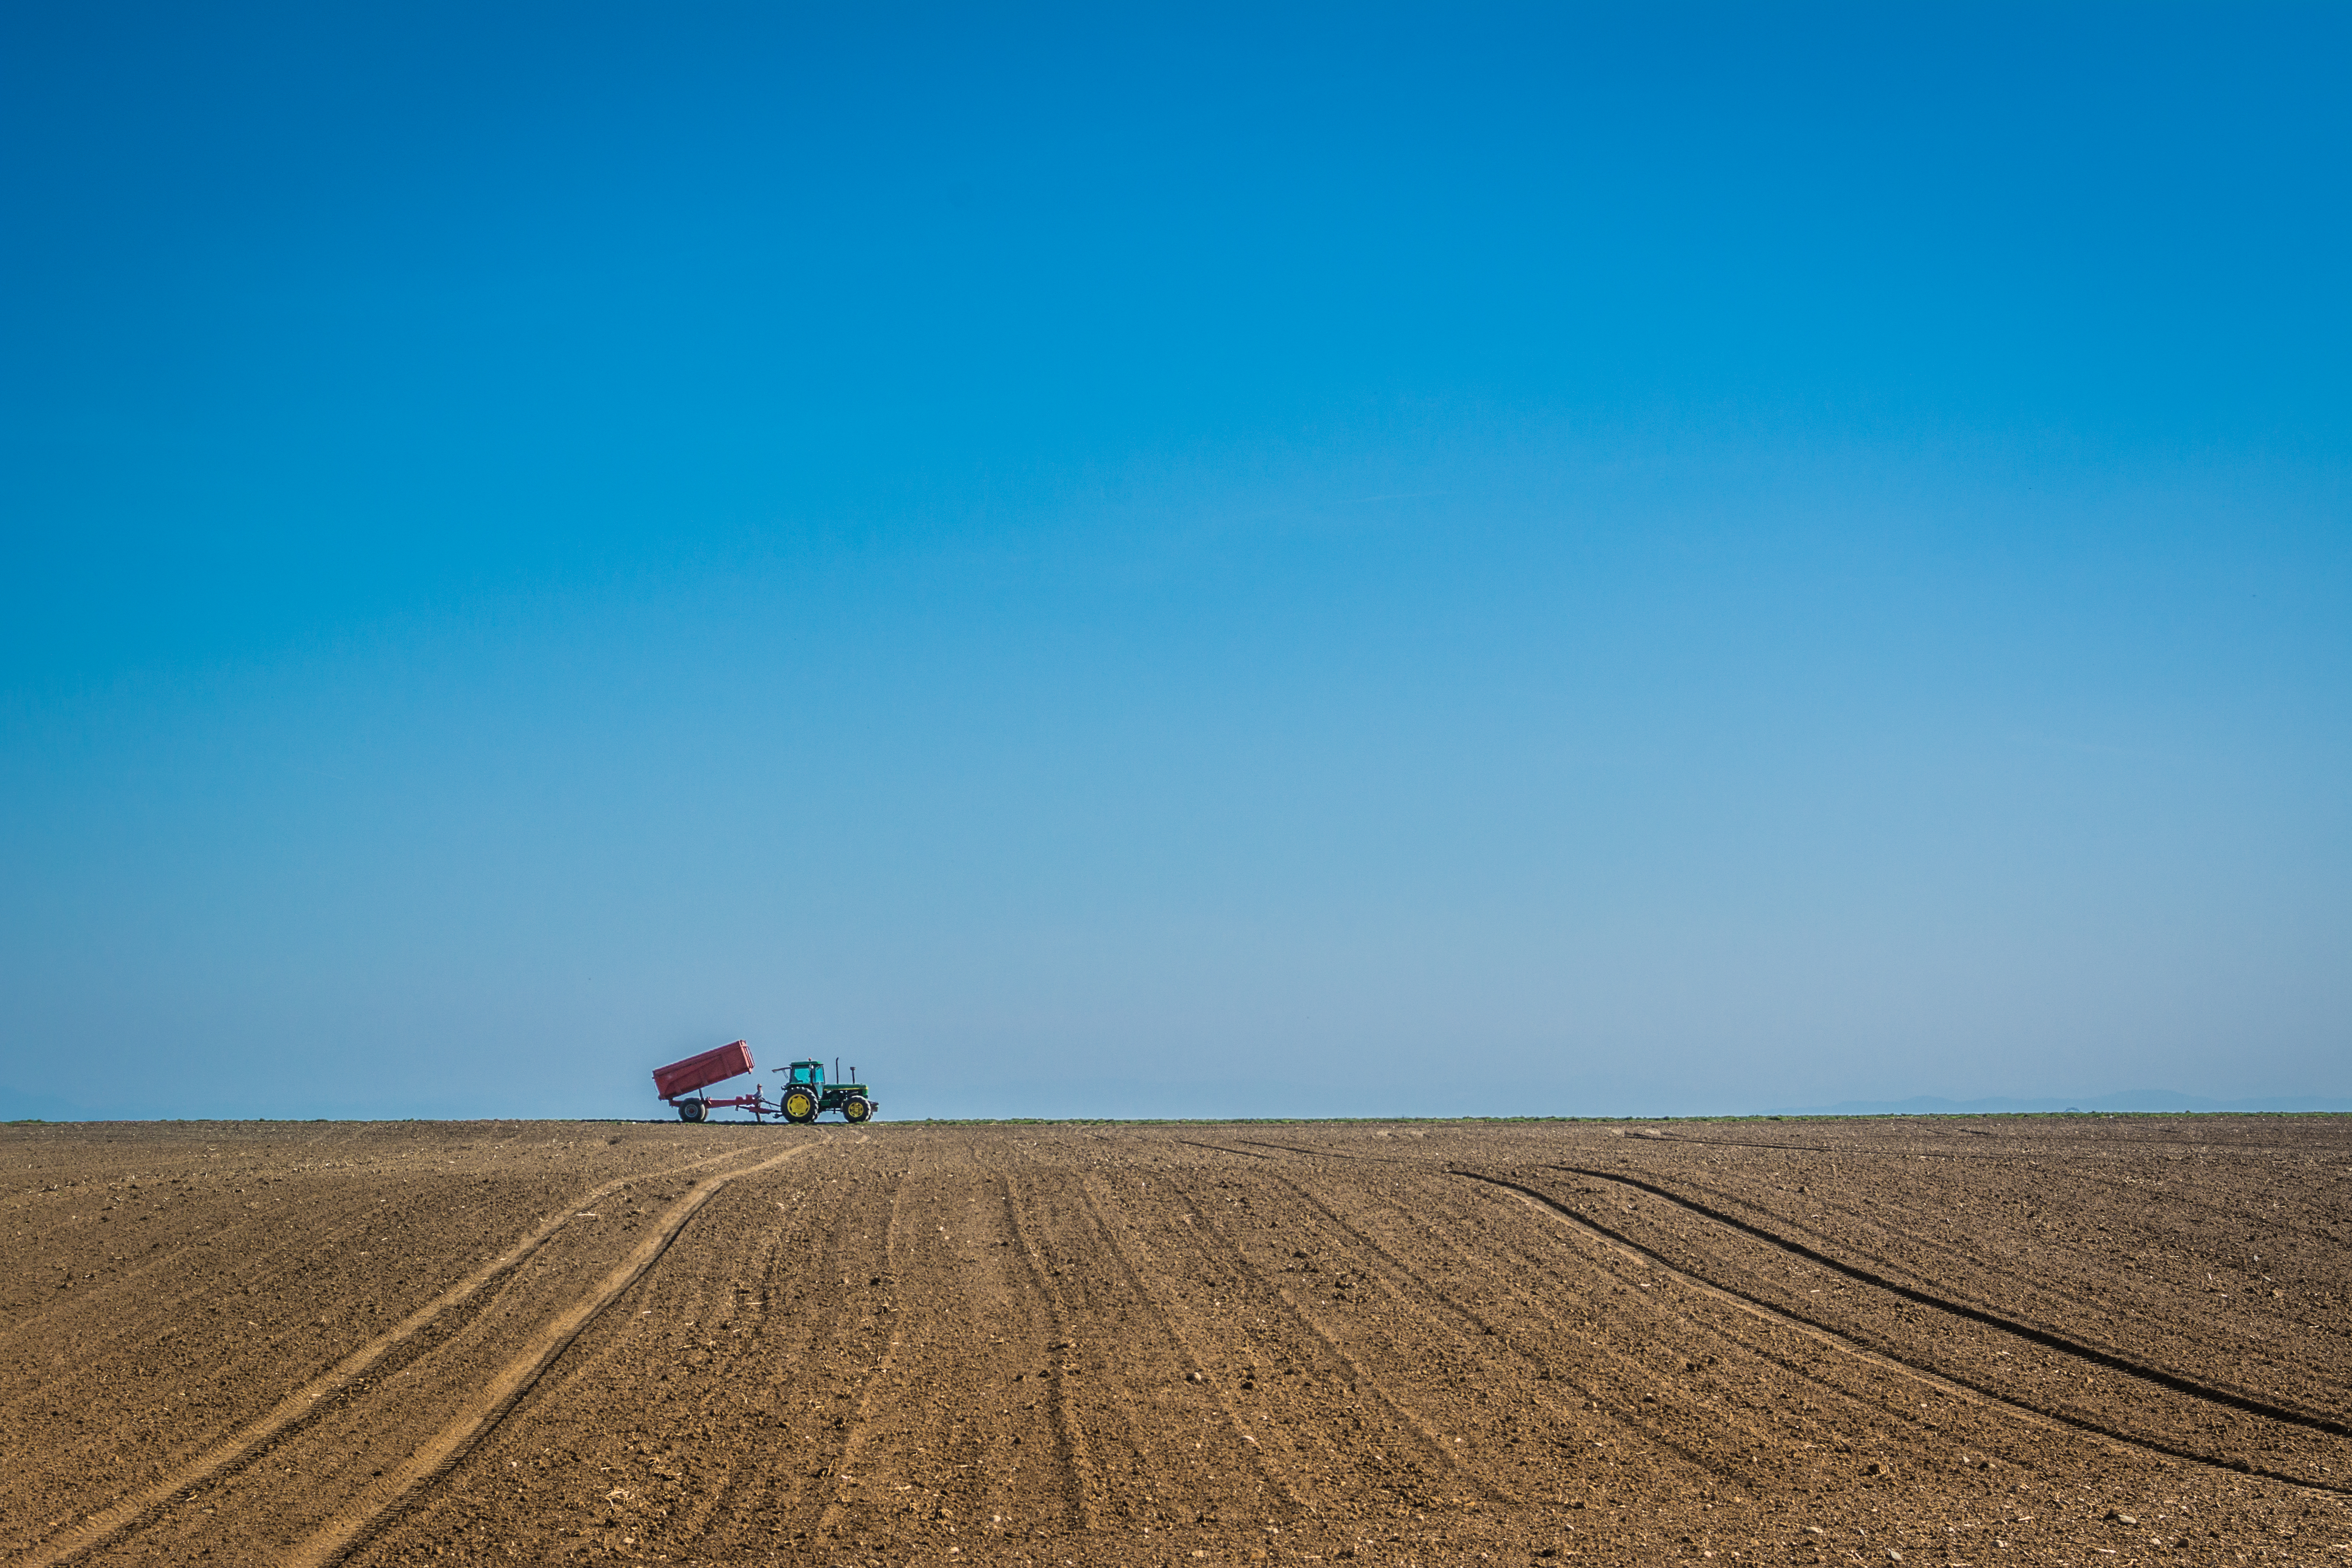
[1945,1303]
[698,1414]
[226,1318]
[794,1391]
[1608,1239]
[1640,1356]
[360,1375]
[1904,1247]
[1760,1408]
[1957,1385]
[1192,1395]
[860,1437]
[2128,1227]
[1081,1484]
[1616,1385]
[1614,1380]
[1572,1344]
[1405,1334]
[960,1423]
[734,1381]
[1384,1461]
[942,1458]
[1816,1396]
[490,1402]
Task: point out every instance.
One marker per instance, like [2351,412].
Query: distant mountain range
[2138,1099]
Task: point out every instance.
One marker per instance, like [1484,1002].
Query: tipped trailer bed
[680,1083]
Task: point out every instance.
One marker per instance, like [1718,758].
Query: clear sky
[1262,561]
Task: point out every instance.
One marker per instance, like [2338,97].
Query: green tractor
[806,1095]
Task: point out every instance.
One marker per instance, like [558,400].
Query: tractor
[807,1095]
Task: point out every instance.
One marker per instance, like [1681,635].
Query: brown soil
[2081,1340]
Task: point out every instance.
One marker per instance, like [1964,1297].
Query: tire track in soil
[1864,1397]
[873,1379]
[492,1403]
[1632,1370]
[789,1378]
[1082,1478]
[1262,1457]
[717,1499]
[966,1451]
[2283,1231]
[292,1411]
[1430,1440]
[807,1482]
[943,1281]
[1430,1291]
[1122,1380]
[589,1375]
[1949,1385]
[2069,1291]
[1445,1302]
[2047,1338]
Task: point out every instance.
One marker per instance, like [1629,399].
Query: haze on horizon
[1320,562]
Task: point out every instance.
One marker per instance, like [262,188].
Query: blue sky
[1341,562]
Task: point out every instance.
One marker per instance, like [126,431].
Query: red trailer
[679,1082]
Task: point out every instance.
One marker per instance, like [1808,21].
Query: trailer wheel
[800,1105]
[692,1111]
[856,1108]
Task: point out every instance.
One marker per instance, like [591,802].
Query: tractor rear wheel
[800,1105]
[692,1111]
[856,1108]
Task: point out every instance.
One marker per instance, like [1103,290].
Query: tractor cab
[809,1073]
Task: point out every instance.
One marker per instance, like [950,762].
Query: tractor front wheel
[800,1105]
[692,1111]
[856,1108]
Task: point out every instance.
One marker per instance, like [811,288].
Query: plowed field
[2079,1340]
